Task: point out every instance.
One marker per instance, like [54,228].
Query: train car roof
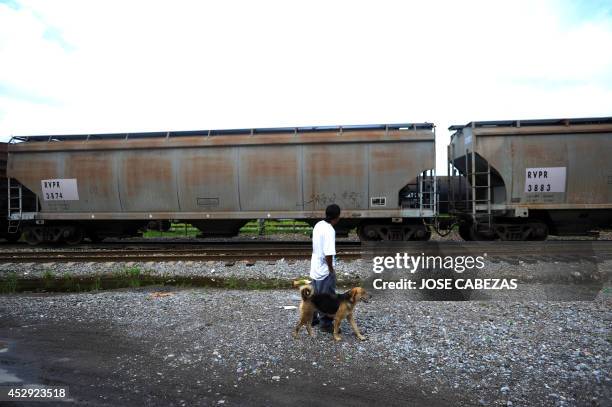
[223,132]
[536,122]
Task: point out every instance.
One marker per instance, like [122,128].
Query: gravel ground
[210,346]
[205,346]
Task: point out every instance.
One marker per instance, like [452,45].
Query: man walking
[322,262]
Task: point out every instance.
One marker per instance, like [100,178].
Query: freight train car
[103,185]
[527,179]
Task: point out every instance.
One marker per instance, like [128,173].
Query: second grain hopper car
[530,178]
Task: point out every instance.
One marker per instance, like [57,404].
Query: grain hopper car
[65,188]
[527,179]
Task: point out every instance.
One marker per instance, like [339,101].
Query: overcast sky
[123,66]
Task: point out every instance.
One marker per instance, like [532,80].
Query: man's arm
[329,248]
[330,263]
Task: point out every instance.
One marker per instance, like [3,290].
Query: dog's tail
[306,292]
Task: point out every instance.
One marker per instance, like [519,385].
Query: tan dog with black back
[337,306]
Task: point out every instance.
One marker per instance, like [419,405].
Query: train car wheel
[33,235]
[368,233]
[539,231]
[422,233]
[75,236]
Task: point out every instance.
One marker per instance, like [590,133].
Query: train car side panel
[147,181]
[208,179]
[392,166]
[270,178]
[335,173]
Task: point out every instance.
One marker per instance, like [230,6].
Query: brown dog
[338,306]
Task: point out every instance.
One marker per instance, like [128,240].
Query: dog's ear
[353,297]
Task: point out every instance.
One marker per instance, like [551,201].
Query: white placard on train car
[60,189]
[545,179]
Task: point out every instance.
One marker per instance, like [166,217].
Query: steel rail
[527,250]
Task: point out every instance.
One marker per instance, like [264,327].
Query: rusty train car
[65,188]
[527,179]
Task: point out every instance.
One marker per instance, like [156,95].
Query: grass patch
[97,283]
[71,283]
[48,275]
[9,285]
[133,276]
[234,283]
[231,282]
[266,284]
[48,279]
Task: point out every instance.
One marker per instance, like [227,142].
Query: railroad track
[229,254]
[528,251]
[175,244]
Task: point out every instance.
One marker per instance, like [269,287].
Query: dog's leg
[351,320]
[309,327]
[308,312]
[296,331]
[305,319]
[337,321]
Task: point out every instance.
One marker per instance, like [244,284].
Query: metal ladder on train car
[15,205]
[482,217]
[427,190]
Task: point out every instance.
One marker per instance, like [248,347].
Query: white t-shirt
[323,244]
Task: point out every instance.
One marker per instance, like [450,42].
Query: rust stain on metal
[269,178]
[31,168]
[200,170]
[145,172]
[93,170]
[327,161]
[388,159]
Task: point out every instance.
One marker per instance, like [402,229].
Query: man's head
[332,214]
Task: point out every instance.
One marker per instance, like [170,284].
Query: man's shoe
[315,322]
[329,329]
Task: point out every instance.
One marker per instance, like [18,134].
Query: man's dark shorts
[326,285]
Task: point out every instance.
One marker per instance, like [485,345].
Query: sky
[126,66]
